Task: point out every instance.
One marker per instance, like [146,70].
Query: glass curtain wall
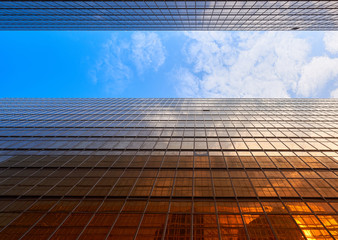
[168,169]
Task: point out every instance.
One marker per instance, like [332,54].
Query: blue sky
[168,64]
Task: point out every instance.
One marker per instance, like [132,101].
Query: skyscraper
[169,15]
[168,169]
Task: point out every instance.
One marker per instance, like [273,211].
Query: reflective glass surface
[168,169]
[169,15]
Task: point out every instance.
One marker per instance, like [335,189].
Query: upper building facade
[169,169]
[169,15]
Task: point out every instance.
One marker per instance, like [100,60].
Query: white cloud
[331,42]
[111,69]
[256,64]
[225,64]
[245,64]
[334,93]
[115,67]
[316,75]
[189,85]
[147,51]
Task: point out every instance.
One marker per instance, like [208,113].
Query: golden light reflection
[297,207]
[231,227]
[331,223]
[311,227]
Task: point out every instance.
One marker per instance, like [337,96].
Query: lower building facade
[168,169]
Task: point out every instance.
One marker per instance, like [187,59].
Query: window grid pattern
[169,15]
[168,169]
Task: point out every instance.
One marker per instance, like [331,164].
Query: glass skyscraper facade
[169,15]
[169,169]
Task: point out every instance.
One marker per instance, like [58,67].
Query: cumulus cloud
[252,64]
[316,74]
[121,57]
[111,69]
[147,51]
[334,93]
[244,64]
[331,42]
[224,64]
[190,86]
